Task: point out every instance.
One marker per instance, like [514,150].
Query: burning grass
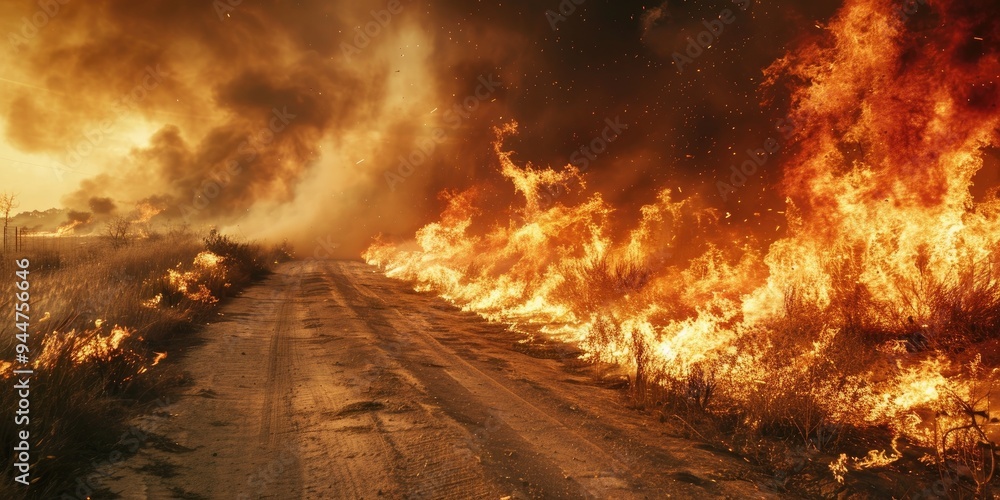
[863,334]
[864,337]
[103,320]
[851,382]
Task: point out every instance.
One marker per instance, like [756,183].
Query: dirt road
[329,380]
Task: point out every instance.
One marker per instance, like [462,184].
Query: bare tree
[118,231]
[8,203]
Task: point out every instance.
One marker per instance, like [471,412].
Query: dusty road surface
[328,380]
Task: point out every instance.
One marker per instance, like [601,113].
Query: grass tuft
[100,314]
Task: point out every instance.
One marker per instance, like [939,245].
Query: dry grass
[80,404]
[790,410]
[597,282]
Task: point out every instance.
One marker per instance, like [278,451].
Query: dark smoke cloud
[209,152]
[74,216]
[214,147]
[76,221]
[101,206]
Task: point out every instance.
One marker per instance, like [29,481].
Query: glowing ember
[193,284]
[81,347]
[160,356]
[153,302]
[207,260]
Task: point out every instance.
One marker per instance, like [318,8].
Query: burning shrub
[965,452]
[79,380]
[693,391]
[598,281]
[247,258]
[198,284]
[818,340]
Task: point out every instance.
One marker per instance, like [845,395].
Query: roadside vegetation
[810,394]
[108,316]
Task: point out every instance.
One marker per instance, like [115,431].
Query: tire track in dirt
[340,457]
[272,425]
[472,397]
[425,449]
[525,421]
[328,380]
[229,434]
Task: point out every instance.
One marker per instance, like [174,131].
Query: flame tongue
[887,253]
[889,135]
[891,120]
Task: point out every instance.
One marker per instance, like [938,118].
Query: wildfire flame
[192,283]
[83,346]
[145,211]
[153,302]
[886,246]
[92,345]
[69,227]
[208,260]
[160,356]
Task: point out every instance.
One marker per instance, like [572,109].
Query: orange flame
[192,283]
[83,346]
[68,228]
[145,211]
[886,250]
[160,356]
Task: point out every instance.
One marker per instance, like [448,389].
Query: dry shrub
[947,312]
[693,392]
[80,408]
[248,259]
[601,284]
[640,355]
[119,231]
[809,368]
[604,335]
[785,381]
[700,384]
[970,307]
[600,281]
[965,451]
[73,418]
